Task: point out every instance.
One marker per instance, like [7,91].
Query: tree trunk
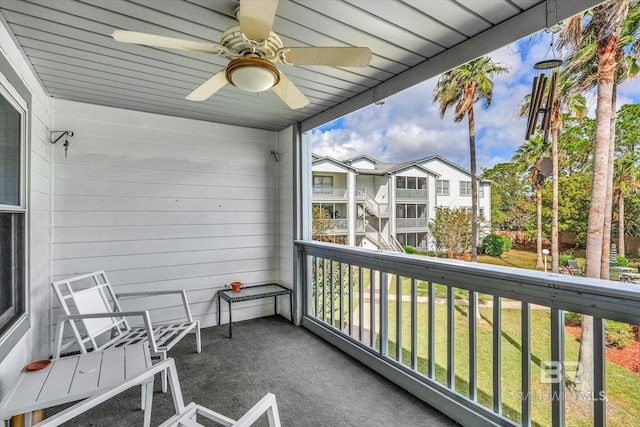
[539,262]
[474,186]
[606,54]
[621,223]
[555,252]
[605,262]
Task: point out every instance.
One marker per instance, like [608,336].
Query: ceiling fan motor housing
[239,45]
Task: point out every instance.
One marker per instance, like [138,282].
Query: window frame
[440,187]
[467,186]
[17,94]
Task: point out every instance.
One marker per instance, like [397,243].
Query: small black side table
[247,293]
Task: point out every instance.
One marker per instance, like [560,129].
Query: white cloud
[408,126]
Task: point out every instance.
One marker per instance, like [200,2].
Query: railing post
[398,318]
[497,355]
[341,289]
[451,338]
[432,331]
[384,313]
[600,373]
[414,324]
[350,300]
[473,348]
[557,356]
[525,326]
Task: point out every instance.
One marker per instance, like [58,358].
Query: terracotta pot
[235,286]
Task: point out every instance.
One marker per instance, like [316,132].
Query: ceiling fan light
[252,74]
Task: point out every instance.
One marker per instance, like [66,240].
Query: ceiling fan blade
[256,18]
[169,42]
[289,93]
[333,56]
[208,88]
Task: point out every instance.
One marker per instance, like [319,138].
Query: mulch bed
[628,357]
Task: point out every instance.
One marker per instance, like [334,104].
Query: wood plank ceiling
[69,46]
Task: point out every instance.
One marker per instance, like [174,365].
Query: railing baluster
[361,303]
[414,324]
[431,370]
[324,289]
[473,345]
[557,356]
[399,318]
[451,338]
[350,300]
[332,312]
[600,373]
[384,314]
[316,285]
[341,289]
[525,326]
[497,354]
[372,309]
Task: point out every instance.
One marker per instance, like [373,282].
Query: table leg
[291,306]
[230,322]
[275,304]
[219,308]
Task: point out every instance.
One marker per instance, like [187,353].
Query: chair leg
[148,387]
[163,375]
[198,338]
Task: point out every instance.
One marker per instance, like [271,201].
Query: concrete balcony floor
[315,384]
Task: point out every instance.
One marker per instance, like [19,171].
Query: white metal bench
[98,322]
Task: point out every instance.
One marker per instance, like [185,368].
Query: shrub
[574,319]
[495,245]
[563,260]
[622,261]
[409,250]
[618,334]
[507,244]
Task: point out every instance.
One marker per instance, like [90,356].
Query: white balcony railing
[329,192]
[334,225]
[422,223]
[413,194]
[367,303]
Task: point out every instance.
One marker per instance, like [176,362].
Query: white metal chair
[98,322]
[191,411]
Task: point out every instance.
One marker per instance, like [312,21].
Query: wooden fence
[566,239]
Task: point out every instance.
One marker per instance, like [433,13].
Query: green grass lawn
[623,387]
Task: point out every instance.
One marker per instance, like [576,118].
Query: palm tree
[529,156]
[626,179]
[576,105]
[462,87]
[605,29]
[564,101]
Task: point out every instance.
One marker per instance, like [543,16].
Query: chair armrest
[183,293]
[71,317]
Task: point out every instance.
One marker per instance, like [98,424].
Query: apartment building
[386,205]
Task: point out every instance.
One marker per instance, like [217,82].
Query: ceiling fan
[253,49]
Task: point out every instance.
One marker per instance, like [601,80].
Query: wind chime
[541,108]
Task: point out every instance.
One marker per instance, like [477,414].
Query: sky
[408,126]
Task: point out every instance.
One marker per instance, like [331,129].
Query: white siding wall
[165,203]
[34,345]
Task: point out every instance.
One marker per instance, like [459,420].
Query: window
[322,181]
[442,187]
[417,240]
[12,212]
[411,182]
[408,210]
[465,188]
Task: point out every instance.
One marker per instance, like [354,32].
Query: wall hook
[275,155]
[62,133]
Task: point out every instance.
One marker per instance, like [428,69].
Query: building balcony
[485,345]
[411,194]
[329,193]
[412,223]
